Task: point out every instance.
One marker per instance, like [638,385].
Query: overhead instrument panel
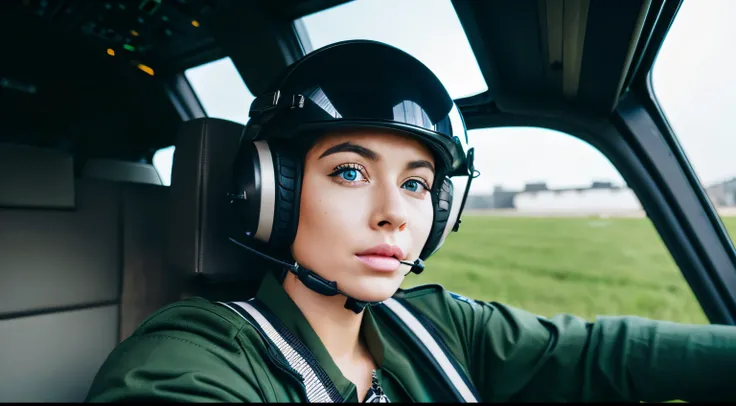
[144,33]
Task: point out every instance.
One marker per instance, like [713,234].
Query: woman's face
[365,204]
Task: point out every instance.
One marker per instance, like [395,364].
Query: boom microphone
[321,285]
[417,266]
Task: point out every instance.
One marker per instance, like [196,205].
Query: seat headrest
[201,217]
[121,171]
[33,177]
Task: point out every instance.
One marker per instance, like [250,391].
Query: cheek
[422,218]
[327,214]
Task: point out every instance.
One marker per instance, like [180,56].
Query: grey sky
[693,79]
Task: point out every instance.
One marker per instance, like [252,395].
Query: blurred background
[550,225]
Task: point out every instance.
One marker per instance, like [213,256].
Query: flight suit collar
[272,294]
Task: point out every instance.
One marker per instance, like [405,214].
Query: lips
[385,250]
[383,257]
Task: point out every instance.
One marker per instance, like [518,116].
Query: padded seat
[146,287]
[199,251]
[147,284]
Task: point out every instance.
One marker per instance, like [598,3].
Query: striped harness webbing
[441,356]
[319,387]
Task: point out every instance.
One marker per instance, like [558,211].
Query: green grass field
[583,266]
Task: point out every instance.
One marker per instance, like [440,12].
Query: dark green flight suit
[196,350]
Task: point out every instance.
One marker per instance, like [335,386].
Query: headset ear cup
[288,192]
[442,201]
[245,191]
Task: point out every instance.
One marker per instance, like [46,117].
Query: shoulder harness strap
[444,361]
[319,387]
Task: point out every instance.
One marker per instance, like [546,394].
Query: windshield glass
[427,29]
[693,81]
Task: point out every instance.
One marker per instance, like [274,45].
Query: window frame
[649,167]
[182,95]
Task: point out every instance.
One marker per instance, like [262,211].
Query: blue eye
[413,185]
[349,174]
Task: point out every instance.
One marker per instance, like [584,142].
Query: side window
[551,227]
[693,83]
[222,93]
[162,161]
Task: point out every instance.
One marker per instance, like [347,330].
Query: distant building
[599,196]
[479,202]
[723,194]
[535,187]
[590,199]
[503,198]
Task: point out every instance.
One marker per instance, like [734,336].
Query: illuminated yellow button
[145,68]
[110,51]
[195,23]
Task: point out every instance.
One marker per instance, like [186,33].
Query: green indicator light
[129,47]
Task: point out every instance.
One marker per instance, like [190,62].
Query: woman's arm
[516,355]
[189,351]
[168,368]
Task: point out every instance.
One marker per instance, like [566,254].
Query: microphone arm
[321,285]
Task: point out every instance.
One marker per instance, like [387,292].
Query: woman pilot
[355,168]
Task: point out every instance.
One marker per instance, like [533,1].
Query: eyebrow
[420,164]
[348,147]
[373,156]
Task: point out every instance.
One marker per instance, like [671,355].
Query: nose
[390,209]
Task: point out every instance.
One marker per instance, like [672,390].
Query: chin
[372,289]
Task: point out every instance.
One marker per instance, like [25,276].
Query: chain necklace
[375,393]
